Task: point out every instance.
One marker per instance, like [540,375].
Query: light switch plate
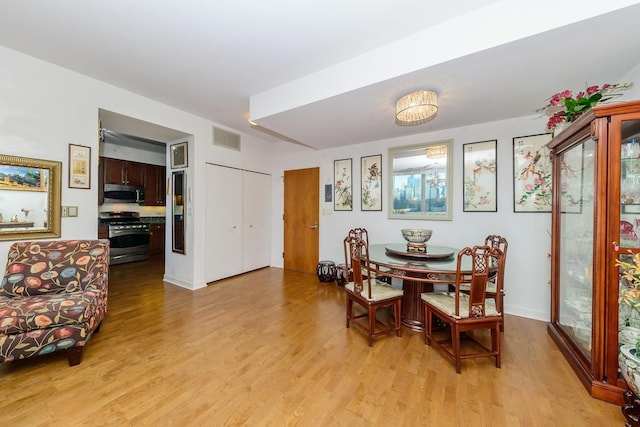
[69,211]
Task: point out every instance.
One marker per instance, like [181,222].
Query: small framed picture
[179,155]
[79,166]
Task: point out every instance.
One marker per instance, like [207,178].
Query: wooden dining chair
[466,312]
[364,235]
[368,292]
[495,284]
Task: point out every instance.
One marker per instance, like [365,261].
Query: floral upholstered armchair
[53,297]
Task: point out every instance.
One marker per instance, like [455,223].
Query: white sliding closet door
[238,226]
[224,222]
[256,221]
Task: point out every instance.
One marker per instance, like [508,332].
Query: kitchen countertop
[153,219]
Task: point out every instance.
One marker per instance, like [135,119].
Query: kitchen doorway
[135,152]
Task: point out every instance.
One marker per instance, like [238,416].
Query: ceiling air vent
[223,138]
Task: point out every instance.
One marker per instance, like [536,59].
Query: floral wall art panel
[480,179]
[371,195]
[342,185]
[531,173]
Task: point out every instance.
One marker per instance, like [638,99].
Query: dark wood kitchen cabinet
[123,172]
[155,186]
[156,243]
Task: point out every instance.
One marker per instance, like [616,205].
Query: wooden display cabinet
[595,220]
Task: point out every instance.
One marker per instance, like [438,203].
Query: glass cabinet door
[629,240]
[576,247]
[629,188]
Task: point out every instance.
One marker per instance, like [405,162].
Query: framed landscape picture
[480,179]
[532,173]
[371,180]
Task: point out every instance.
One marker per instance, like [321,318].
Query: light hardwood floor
[271,348]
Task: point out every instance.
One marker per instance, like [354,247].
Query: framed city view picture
[371,183]
[532,173]
[480,179]
[342,184]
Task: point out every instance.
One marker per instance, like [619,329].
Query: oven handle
[129,232]
[115,257]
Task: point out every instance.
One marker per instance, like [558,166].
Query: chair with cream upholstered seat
[368,292]
[467,311]
[495,284]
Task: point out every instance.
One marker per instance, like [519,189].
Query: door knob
[314,226]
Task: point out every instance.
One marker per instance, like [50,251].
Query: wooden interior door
[301,219]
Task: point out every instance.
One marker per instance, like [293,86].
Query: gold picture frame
[29,198]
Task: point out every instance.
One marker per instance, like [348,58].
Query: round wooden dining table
[418,270]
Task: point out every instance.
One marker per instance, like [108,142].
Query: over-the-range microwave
[115,193]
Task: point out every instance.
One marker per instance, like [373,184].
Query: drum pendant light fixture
[416,108]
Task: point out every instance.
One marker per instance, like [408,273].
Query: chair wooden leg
[372,324]
[500,307]
[397,308]
[495,342]
[349,309]
[428,325]
[455,340]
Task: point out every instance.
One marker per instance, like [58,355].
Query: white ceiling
[328,73]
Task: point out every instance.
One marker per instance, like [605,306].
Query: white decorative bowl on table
[416,238]
[416,235]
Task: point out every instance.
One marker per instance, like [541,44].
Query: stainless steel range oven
[128,236]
